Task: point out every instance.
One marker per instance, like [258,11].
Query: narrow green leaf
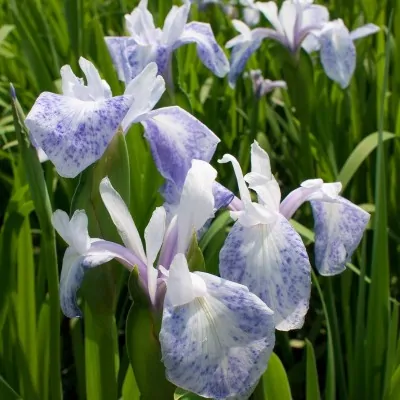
[182,394]
[194,256]
[142,329]
[359,155]
[130,390]
[312,385]
[7,392]
[41,200]
[274,383]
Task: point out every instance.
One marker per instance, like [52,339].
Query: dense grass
[349,347]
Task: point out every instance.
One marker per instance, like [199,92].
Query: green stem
[101,355]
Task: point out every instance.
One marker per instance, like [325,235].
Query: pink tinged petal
[364,31]
[176,138]
[153,236]
[74,133]
[272,262]
[338,227]
[208,50]
[146,90]
[218,345]
[174,24]
[75,265]
[122,219]
[74,231]
[338,54]
[183,286]
[197,202]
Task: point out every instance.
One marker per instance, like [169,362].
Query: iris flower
[265,253]
[262,86]
[147,43]
[74,128]
[299,23]
[216,336]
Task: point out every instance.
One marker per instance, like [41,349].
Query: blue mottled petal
[176,138]
[116,47]
[217,345]
[74,133]
[239,56]
[222,196]
[272,262]
[338,231]
[338,54]
[208,50]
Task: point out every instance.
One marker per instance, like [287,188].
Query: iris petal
[217,345]
[338,229]
[208,50]
[74,133]
[176,138]
[272,262]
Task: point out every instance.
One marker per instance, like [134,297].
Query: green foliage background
[349,347]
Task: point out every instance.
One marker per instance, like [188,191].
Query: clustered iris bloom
[217,332]
[300,24]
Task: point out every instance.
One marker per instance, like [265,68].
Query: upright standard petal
[272,262]
[338,54]
[146,89]
[122,219]
[338,227]
[174,23]
[74,133]
[176,138]
[153,236]
[74,231]
[116,47]
[208,50]
[197,202]
[217,345]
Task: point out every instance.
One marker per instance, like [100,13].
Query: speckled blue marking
[74,133]
[208,50]
[339,228]
[176,138]
[272,262]
[217,346]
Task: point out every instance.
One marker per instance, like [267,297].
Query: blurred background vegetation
[349,346]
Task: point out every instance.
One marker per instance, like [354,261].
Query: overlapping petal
[338,53]
[122,219]
[338,227]
[176,138]
[74,133]
[271,260]
[217,345]
[208,50]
